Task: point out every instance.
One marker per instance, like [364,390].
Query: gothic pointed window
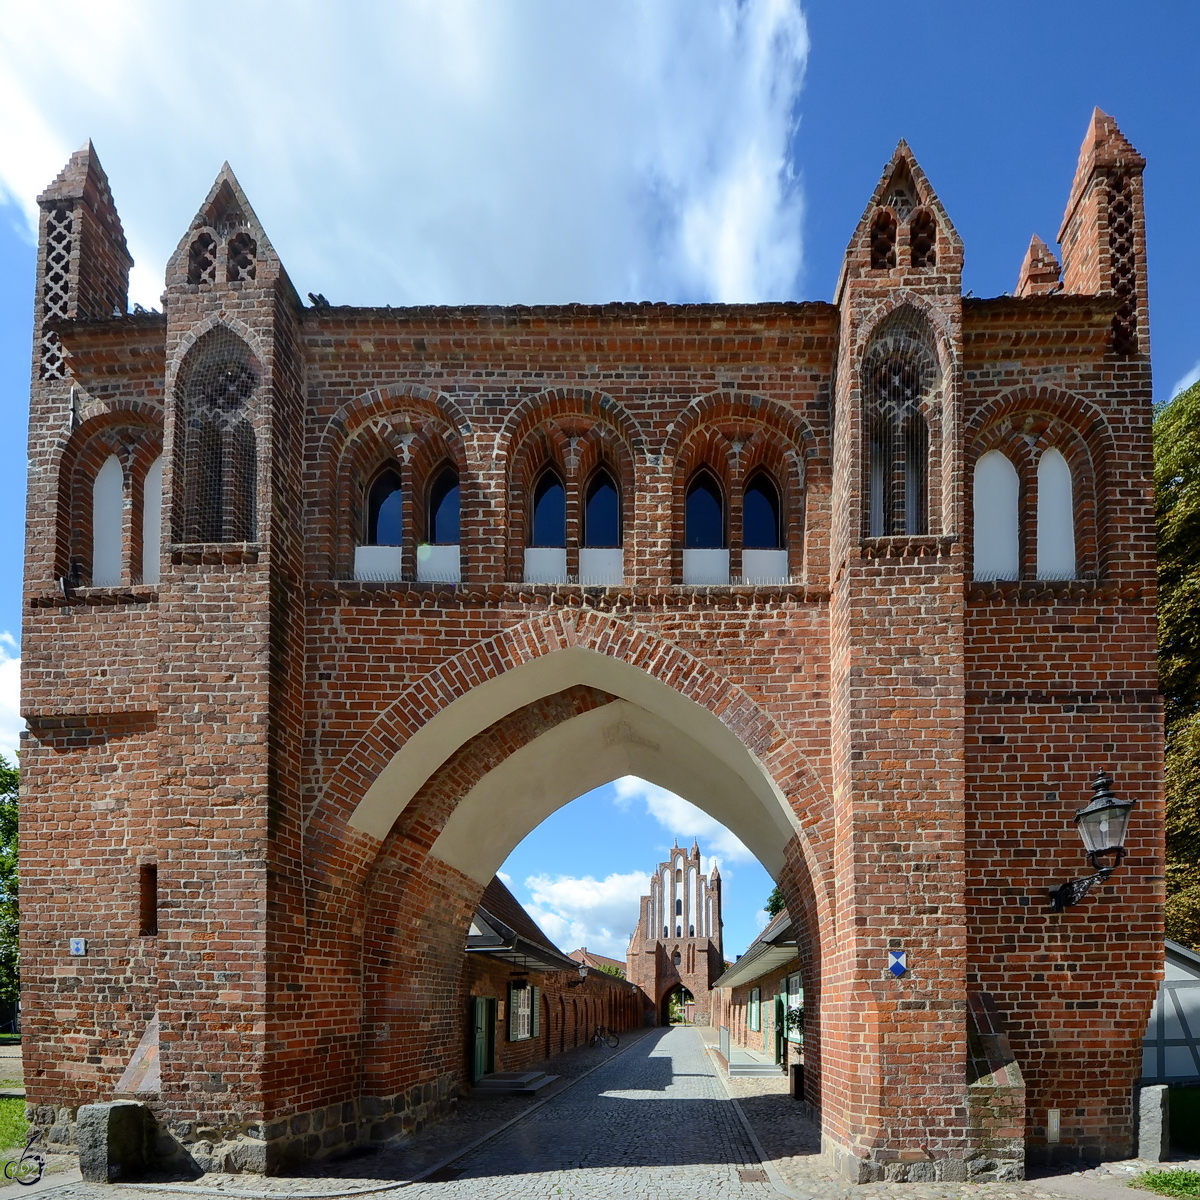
[444,508]
[601,512]
[546,554]
[922,237]
[108,498]
[243,254]
[1055,517]
[996,498]
[202,258]
[385,509]
[704,517]
[152,522]
[899,379]
[761,525]
[217,501]
[883,241]
[549,524]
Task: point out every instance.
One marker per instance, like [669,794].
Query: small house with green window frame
[758,1003]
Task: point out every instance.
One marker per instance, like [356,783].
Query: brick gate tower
[327,607]
[677,942]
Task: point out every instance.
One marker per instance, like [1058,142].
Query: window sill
[214,553]
[93,597]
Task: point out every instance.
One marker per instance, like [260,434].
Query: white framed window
[108,549]
[755,1010]
[793,1003]
[521,1011]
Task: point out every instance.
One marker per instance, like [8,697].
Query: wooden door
[483,1037]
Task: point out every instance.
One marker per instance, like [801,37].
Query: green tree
[775,902]
[1177,514]
[609,969]
[9,909]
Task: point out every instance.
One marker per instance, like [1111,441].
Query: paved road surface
[653,1123]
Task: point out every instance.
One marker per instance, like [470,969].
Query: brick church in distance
[676,945]
[326,607]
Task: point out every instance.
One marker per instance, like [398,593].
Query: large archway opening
[477,774]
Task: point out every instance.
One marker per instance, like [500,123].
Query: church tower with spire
[677,943]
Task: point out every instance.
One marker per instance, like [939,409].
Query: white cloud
[11,721]
[505,878]
[1181,385]
[434,153]
[597,913]
[682,819]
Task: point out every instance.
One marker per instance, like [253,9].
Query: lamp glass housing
[1102,824]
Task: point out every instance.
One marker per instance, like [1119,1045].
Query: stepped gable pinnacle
[1105,148]
[695,847]
[904,186]
[83,178]
[226,210]
[1039,275]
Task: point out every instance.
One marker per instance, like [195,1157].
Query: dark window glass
[549,511]
[384,510]
[704,515]
[760,515]
[676,958]
[691,931]
[679,908]
[443,509]
[602,512]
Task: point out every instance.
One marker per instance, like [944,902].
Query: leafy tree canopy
[775,902]
[1177,515]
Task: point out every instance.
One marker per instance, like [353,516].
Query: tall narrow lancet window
[705,553]
[922,236]
[380,554]
[108,502]
[996,498]
[217,499]
[438,558]
[883,241]
[546,556]
[764,559]
[600,557]
[1055,518]
[385,510]
[899,380]
[152,522]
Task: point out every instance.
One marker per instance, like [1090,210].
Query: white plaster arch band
[652,731]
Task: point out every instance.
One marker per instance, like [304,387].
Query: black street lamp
[1102,826]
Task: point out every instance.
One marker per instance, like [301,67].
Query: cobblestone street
[655,1120]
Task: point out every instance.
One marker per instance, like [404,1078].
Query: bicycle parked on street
[605,1037]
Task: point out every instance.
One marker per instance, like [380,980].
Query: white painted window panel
[765,566]
[997,515]
[706,567]
[1055,518]
[546,564]
[108,498]
[438,564]
[601,566]
[377,563]
[152,522]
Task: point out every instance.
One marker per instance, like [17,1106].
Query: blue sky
[502,151]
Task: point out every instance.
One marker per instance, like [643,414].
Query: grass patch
[1177,1182]
[14,1129]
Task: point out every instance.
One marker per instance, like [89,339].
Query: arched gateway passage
[462,767]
